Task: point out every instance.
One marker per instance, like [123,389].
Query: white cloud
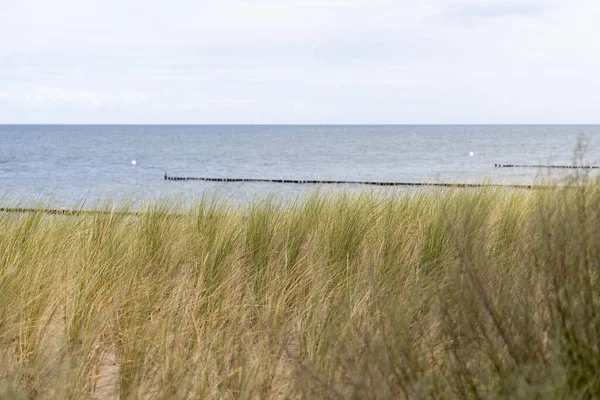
[218,103]
[500,8]
[327,76]
[48,95]
[378,61]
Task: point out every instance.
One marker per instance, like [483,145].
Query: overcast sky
[300,61]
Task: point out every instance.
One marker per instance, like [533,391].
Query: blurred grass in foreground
[466,293]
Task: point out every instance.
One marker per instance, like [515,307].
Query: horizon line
[300,124]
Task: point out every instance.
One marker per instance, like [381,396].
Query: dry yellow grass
[461,293]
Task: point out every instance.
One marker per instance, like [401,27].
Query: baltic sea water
[65,165]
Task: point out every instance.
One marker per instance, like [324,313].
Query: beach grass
[446,294]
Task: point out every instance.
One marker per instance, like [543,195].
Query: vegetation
[466,293]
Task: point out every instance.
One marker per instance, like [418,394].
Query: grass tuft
[457,293]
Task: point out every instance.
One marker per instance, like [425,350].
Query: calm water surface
[65,164]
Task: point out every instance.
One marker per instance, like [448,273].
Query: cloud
[218,103]
[118,25]
[499,9]
[237,61]
[305,74]
[50,96]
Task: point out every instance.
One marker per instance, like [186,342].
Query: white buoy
[471,153]
[133,162]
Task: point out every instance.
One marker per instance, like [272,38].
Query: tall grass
[467,293]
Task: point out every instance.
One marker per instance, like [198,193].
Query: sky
[300,61]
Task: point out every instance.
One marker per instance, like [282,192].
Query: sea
[67,166]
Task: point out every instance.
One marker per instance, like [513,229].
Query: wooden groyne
[546,166]
[59,211]
[331,182]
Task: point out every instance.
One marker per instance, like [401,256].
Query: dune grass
[466,293]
